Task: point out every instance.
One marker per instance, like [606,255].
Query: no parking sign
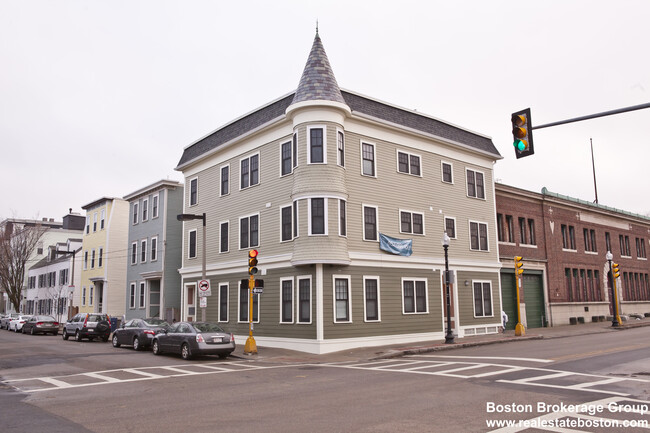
[204,288]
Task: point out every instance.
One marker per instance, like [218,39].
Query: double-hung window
[317,148]
[250,171]
[100,258]
[475,184]
[414,296]
[135,213]
[243,303]
[223,302]
[142,295]
[482,299]
[411,222]
[145,209]
[408,163]
[317,216]
[343,225]
[342,306]
[134,253]
[286,300]
[286,223]
[131,296]
[143,251]
[154,249]
[368,167]
[371,299]
[450,227]
[191,247]
[447,173]
[225,180]
[340,148]
[286,155]
[478,236]
[223,239]
[92,259]
[304,299]
[370,224]
[95,222]
[194,191]
[249,231]
[154,207]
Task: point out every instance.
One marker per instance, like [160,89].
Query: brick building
[564,242]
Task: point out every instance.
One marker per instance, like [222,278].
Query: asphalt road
[53,385]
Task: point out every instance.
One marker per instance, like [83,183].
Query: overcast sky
[99,98]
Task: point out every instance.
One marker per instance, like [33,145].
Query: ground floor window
[243,303]
[414,296]
[342,299]
[304,300]
[371,298]
[223,302]
[482,299]
[286,301]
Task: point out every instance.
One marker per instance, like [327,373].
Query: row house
[154,254]
[321,181]
[564,243]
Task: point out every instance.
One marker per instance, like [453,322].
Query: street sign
[203,302]
[258,290]
[204,288]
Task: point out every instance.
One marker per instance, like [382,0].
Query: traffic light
[522,133]
[615,270]
[252,262]
[259,284]
[518,265]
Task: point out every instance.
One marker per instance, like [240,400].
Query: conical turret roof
[318,82]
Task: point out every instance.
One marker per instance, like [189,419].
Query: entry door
[190,302]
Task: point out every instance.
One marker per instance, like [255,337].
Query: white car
[16,324]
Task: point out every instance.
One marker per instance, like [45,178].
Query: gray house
[153,284]
[328,185]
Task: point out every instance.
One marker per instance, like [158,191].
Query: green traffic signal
[522,133]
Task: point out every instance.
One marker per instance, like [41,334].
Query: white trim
[293,297]
[143,250]
[221,223]
[282,143]
[338,159]
[248,309]
[467,169]
[221,179]
[412,232]
[325,217]
[374,155]
[155,198]
[442,173]
[339,217]
[482,300]
[142,295]
[365,313]
[282,207]
[145,209]
[348,278]
[133,295]
[196,244]
[259,232]
[152,257]
[408,154]
[184,303]
[308,141]
[415,296]
[444,228]
[135,213]
[132,261]
[259,171]
[363,222]
[219,286]
[189,191]
[311,297]
[487,237]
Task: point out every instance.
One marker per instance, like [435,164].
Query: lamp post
[609,256]
[189,217]
[449,337]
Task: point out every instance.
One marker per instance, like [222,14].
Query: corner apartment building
[313,181]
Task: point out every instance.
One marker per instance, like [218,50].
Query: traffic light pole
[594,116]
[250,347]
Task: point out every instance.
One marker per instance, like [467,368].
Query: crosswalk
[125,375]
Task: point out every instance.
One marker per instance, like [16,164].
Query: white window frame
[132,295]
[482,300]
[91,296]
[194,180]
[487,235]
[349,280]
[291,165]
[476,196]
[259,171]
[94,222]
[221,236]
[345,235]
[92,259]
[415,296]
[227,286]
[155,204]
[339,149]
[189,244]
[291,237]
[324,128]
[248,308]
[412,232]
[409,155]
[363,220]
[325,216]
[134,253]
[86,259]
[142,295]
[83,296]
[374,156]
[444,221]
[365,312]
[153,254]
[298,279]
[135,212]
[293,300]
[145,210]
[259,232]
[143,251]
[225,166]
[442,172]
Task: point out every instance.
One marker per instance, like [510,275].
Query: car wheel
[31,331]
[115,342]
[136,344]
[223,355]
[65,334]
[105,338]
[77,336]
[55,333]
[155,348]
[185,351]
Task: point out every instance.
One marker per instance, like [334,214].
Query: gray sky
[99,98]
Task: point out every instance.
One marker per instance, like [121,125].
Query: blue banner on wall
[403,247]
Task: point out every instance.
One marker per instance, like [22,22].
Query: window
[194,191]
[223,302]
[340,148]
[92,259]
[411,222]
[590,240]
[85,259]
[87,224]
[95,222]
[531,232]
[317,216]
[286,223]
[143,251]
[624,242]
[250,171]
[142,295]
[371,298]
[83,296]
[370,226]
[304,299]
[286,301]
[295,219]
[317,146]
[224,232]
[640,248]
[414,296]
[342,311]
[100,259]
[92,295]
[243,303]
[475,184]
[523,231]
[343,225]
[154,249]
[145,209]
[450,227]
[608,242]
[478,236]
[482,299]
[285,158]
[102,219]
[408,163]
[368,159]
[191,250]
[249,231]
[135,213]
[568,237]
[447,175]
[134,253]
[294,149]
[154,206]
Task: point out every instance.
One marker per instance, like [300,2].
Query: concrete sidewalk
[271,354]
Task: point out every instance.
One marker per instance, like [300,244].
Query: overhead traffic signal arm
[522,133]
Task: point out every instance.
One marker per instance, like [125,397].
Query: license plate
[217,339]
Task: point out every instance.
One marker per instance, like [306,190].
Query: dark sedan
[41,325]
[138,333]
[194,338]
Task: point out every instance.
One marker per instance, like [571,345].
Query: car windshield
[156,322]
[208,327]
[95,318]
[45,318]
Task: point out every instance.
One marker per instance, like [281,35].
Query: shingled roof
[319,84]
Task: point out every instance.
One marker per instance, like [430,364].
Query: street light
[190,217]
[449,337]
[609,256]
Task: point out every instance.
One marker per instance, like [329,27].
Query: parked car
[88,325]
[194,338]
[41,325]
[138,332]
[16,324]
[4,322]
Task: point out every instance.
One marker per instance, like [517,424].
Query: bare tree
[16,248]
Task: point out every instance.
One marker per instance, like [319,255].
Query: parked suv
[88,325]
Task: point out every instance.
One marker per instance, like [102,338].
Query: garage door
[509,298]
[534,296]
